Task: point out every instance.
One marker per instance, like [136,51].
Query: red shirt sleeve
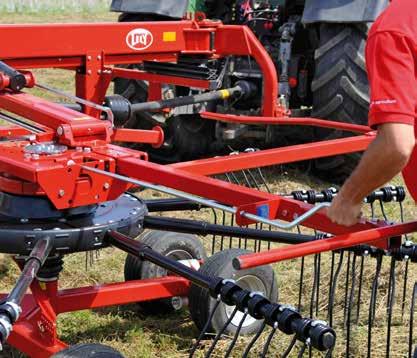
[391,70]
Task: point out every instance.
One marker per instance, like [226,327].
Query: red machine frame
[91,50]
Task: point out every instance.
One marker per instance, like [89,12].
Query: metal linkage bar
[284,317]
[211,203]
[10,309]
[205,228]
[106,110]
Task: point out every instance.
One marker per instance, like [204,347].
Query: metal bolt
[87,150]
[35,156]
[284,213]
[60,130]
[89,72]
[408,243]
[24,220]
[70,163]
[106,186]
[406,257]
[99,57]
[79,149]
[88,58]
[61,193]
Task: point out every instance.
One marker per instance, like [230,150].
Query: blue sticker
[263,211]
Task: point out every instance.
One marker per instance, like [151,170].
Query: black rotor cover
[73,232]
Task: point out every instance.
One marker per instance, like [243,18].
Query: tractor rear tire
[88,350]
[173,245]
[340,91]
[261,279]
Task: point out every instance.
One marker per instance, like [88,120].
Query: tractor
[317,47]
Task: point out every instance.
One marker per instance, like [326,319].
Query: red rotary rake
[63,186]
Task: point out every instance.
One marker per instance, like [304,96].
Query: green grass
[138,335]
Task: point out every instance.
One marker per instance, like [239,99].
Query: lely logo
[139,39]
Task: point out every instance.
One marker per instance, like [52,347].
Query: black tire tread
[340,91]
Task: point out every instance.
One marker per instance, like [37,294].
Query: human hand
[344,212]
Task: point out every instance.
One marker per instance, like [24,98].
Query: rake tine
[372,305]
[331,273]
[205,328]
[350,304]
[290,347]
[222,237]
[381,204]
[219,334]
[404,290]
[302,350]
[313,291]
[213,239]
[391,299]
[333,289]
[346,288]
[248,183]
[254,339]
[372,211]
[269,242]
[254,180]
[268,341]
[236,336]
[300,286]
[235,178]
[232,221]
[358,308]
[412,311]
[263,180]
[318,283]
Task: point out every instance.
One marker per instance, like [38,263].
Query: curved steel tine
[302,350]
[358,307]
[254,339]
[346,288]
[391,300]
[381,204]
[236,336]
[222,237]
[333,289]
[372,304]
[372,211]
[268,341]
[219,334]
[350,306]
[263,180]
[289,348]
[205,328]
[213,239]
[318,284]
[404,289]
[301,281]
[412,311]
[257,186]
[332,261]
[314,288]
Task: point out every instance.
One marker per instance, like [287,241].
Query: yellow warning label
[42,285]
[169,36]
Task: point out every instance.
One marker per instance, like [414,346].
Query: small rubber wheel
[88,350]
[258,279]
[173,245]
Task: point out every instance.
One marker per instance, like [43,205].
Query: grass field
[138,335]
